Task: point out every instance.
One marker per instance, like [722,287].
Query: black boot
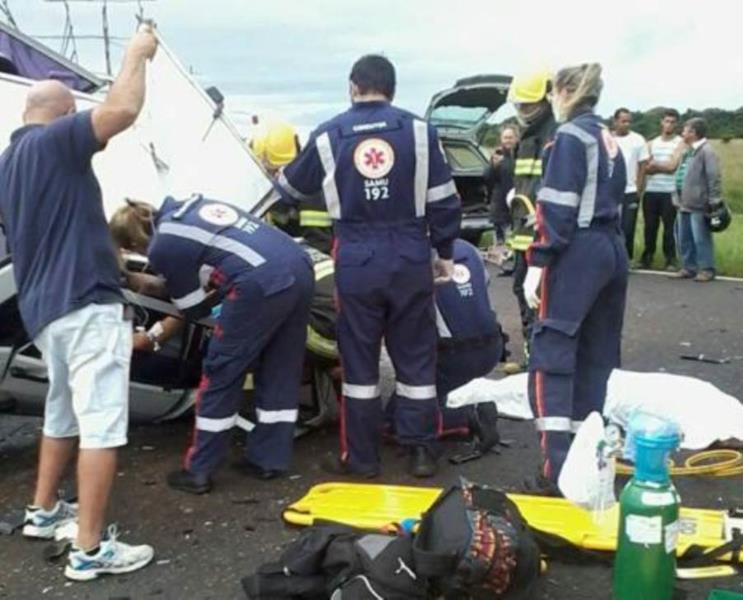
[422,462]
[484,426]
[541,486]
[250,469]
[185,481]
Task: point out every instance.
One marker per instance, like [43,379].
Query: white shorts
[87,353]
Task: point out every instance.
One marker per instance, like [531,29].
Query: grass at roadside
[731,158]
[728,248]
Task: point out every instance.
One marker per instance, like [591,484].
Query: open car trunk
[459,113]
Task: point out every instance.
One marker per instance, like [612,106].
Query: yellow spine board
[376,507]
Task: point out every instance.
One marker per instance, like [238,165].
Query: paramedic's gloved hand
[443,270]
[531,286]
[144,42]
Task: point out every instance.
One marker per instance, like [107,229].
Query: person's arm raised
[125,99]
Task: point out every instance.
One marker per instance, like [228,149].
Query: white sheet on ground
[704,413]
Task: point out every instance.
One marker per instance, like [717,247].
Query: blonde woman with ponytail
[578,265]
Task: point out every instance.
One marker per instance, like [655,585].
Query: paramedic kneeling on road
[389,191]
[264,281]
[581,263]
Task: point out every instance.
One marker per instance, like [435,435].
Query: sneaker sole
[39,533]
[76,575]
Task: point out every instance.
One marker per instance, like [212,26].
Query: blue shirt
[378,168]
[463,309]
[50,203]
[583,186]
[199,236]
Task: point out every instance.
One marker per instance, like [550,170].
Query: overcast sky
[293,57]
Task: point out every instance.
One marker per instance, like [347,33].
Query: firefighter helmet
[530,87]
[719,217]
[281,145]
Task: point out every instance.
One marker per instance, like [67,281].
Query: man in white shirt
[657,204]
[636,155]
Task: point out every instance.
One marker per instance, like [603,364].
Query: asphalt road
[206,544]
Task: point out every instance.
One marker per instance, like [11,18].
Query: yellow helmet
[280,144]
[529,88]
[258,146]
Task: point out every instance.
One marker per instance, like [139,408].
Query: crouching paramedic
[390,193]
[580,262]
[264,282]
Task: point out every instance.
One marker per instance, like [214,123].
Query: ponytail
[131,225]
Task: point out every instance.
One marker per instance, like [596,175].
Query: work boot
[246,467]
[185,481]
[337,466]
[683,274]
[422,462]
[705,277]
[483,424]
[541,486]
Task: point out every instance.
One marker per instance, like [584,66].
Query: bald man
[68,293]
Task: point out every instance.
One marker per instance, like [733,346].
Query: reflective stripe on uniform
[440,192]
[244,424]
[554,424]
[361,392]
[324,269]
[207,238]
[415,392]
[320,345]
[420,134]
[575,425]
[314,218]
[215,425]
[587,207]
[520,242]
[271,417]
[330,189]
[528,166]
[441,325]
[290,189]
[189,300]
[553,196]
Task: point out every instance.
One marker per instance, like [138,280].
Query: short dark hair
[374,73]
[621,110]
[698,126]
[671,112]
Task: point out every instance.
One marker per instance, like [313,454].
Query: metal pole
[106,40]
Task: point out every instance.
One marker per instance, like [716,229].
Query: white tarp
[704,413]
[189,156]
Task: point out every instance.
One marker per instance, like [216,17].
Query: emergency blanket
[704,413]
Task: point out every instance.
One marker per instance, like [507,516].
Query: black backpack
[474,543]
[341,563]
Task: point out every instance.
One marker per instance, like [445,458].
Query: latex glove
[443,270]
[531,286]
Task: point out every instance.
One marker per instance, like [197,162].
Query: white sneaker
[43,524]
[113,558]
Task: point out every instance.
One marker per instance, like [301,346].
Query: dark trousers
[520,267]
[267,336]
[577,339]
[630,206]
[385,292]
[657,208]
[457,366]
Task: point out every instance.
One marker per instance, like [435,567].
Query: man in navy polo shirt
[67,277]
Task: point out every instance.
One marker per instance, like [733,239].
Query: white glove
[443,270]
[532,283]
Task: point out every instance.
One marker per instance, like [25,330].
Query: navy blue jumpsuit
[576,340]
[470,338]
[265,281]
[391,196]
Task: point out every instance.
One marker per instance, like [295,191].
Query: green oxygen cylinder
[645,563]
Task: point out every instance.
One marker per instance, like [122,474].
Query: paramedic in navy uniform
[580,261]
[392,199]
[211,252]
